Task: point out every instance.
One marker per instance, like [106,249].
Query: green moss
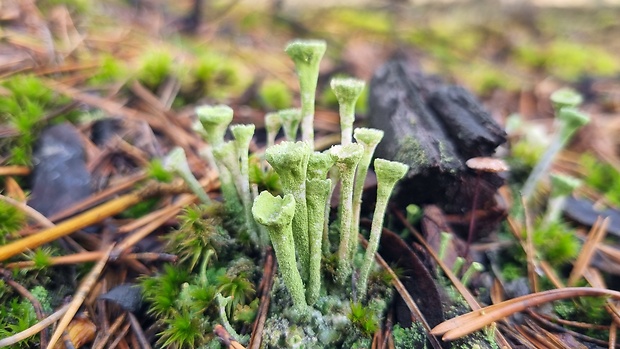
[410,337]
[565,246]
[12,219]
[364,318]
[23,109]
[275,95]
[111,69]
[602,177]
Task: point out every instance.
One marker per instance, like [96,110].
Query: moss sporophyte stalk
[296,222]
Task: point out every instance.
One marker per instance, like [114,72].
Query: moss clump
[24,109]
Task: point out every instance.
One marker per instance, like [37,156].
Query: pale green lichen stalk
[227,156]
[214,121]
[243,137]
[317,191]
[561,187]
[176,162]
[318,168]
[273,123]
[222,302]
[276,214]
[388,173]
[347,91]
[307,55]
[347,157]
[290,119]
[369,138]
[290,161]
[569,121]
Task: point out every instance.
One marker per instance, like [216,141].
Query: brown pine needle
[467,323]
[596,235]
[136,237]
[79,297]
[14,171]
[83,220]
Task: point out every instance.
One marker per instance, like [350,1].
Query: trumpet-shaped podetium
[565,97]
[290,119]
[307,55]
[347,91]
[228,157]
[388,173]
[561,187]
[569,121]
[318,168]
[243,136]
[215,119]
[276,214]
[347,157]
[369,138]
[290,161]
[176,162]
[317,195]
[222,303]
[273,123]
[319,165]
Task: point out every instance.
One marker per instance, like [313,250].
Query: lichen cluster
[296,223]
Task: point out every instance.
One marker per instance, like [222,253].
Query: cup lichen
[307,55]
[276,214]
[347,91]
[290,161]
[176,162]
[388,173]
[347,157]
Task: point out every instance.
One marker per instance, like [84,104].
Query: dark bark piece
[583,212]
[467,123]
[127,296]
[434,129]
[415,277]
[60,177]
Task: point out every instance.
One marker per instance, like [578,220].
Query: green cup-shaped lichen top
[290,160]
[566,97]
[573,117]
[215,120]
[319,165]
[389,171]
[563,185]
[273,211]
[347,90]
[369,137]
[290,119]
[347,155]
[306,51]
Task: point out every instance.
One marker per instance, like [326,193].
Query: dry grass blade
[136,237]
[478,319]
[226,338]
[36,328]
[530,250]
[596,235]
[265,299]
[79,297]
[14,171]
[415,311]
